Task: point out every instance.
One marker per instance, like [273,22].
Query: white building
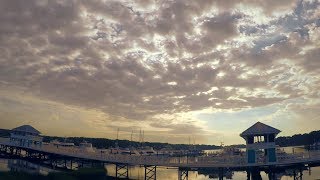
[26,136]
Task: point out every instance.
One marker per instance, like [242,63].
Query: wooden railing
[203,161]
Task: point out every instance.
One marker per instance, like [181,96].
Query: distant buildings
[26,136]
[260,143]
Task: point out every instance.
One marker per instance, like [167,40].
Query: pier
[75,157]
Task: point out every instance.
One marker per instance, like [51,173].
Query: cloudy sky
[205,69]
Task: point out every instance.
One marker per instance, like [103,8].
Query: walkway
[190,162]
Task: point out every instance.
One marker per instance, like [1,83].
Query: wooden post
[309,168]
[221,173]
[183,174]
[248,175]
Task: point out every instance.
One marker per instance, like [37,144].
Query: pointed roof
[260,128]
[26,128]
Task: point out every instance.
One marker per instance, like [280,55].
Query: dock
[75,155]
[261,154]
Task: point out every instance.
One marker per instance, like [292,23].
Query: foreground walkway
[186,162]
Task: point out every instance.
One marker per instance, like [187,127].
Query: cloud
[134,61]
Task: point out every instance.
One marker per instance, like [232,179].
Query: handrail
[232,161]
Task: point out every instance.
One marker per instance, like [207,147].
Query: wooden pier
[73,157]
[261,154]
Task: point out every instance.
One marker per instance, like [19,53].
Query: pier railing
[308,156]
[203,161]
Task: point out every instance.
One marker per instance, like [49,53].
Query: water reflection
[17,165]
[164,173]
[206,174]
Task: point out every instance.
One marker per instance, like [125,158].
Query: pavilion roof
[26,128]
[260,128]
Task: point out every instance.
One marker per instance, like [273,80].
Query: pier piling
[122,171]
[150,172]
[183,174]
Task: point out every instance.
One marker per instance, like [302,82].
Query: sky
[203,70]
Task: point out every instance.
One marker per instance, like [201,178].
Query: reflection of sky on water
[163,173]
[23,166]
[4,165]
[172,174]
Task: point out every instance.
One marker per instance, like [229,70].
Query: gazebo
[260,143]
[26,136]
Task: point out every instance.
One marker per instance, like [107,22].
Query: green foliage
[4,133]
[299,139]
[295,140]
[108,143]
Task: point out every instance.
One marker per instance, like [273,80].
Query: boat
[61,144]
[119,150]
[147,151]
[231,151]
[85,146]
[315,146]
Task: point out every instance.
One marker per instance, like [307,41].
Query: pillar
[183,174]
[272,155]
[251,156]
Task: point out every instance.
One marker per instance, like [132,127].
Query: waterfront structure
[25,136]
[260,143]
[261,135]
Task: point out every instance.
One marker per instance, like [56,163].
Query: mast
[118,134]
[142,136]
[117,145]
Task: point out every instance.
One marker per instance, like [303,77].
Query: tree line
[299,139]
[109,143]
[283,141]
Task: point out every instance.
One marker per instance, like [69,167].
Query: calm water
[172,174]
[162,172]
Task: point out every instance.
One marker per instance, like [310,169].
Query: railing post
[221,173]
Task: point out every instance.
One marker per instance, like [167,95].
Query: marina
[261,153]
[159,89]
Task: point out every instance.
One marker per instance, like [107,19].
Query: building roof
[26,128]
[260,128]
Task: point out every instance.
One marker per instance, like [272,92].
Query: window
[259,139]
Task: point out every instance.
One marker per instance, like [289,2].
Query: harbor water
[167,173]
